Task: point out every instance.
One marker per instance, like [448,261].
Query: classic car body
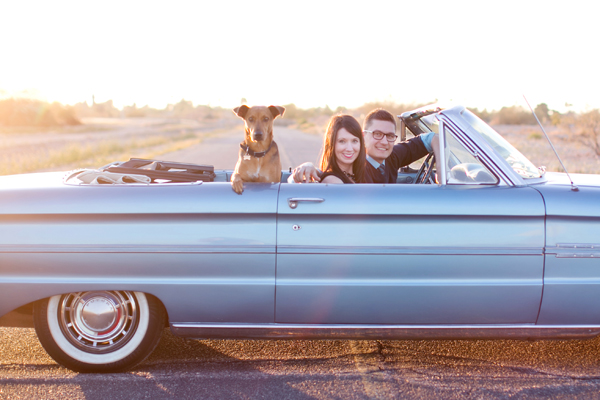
[494,248]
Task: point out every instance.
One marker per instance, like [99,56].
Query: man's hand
[306,173]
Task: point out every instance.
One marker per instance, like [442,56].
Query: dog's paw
[237,186]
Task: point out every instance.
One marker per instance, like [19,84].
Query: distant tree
[64,114]
[483,114]
[106,109]
[542,112]
[291,111]
[183,108]
[30,112]
[133,111]
[555,117]
[513,115]
[392,107]
[341,110]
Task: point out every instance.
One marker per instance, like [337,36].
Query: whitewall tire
[99,331]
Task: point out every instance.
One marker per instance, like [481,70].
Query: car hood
[561,200]
[560,178]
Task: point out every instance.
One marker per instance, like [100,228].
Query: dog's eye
[251,119]
[265,119]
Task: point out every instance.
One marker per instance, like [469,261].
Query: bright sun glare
[314,53]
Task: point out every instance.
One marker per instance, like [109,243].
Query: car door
[408,254]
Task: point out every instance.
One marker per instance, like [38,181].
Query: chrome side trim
[398,250]
[575,250]
[266,249]
[133,248]
[136,281]
[577,255]
[383,332]
[578,246]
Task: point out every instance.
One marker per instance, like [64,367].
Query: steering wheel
[425,174]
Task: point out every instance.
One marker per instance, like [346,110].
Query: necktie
[381,169]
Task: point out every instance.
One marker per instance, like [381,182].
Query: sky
[484,54]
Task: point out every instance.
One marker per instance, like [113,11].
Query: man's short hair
[381,115]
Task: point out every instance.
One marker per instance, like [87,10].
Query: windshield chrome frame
[441,164]
[488,150]
[452,119]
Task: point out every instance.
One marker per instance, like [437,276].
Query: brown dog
[259,157]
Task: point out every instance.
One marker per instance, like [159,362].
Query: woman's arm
[331,179]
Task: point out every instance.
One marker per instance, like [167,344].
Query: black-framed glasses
[378,135]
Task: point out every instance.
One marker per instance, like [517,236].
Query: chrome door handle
[293,201]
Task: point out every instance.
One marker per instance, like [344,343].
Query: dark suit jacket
[403,154]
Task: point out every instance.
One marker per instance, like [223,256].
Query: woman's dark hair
[328,159]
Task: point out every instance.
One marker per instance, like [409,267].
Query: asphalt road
[220,369]
[221,149]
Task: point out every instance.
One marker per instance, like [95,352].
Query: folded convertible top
[164,170]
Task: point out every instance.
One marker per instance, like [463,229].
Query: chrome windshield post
[402,130]
[441,164]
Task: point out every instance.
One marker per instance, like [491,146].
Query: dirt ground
[102,140]
[530,141]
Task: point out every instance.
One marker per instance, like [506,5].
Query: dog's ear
[241,111]
[276,110]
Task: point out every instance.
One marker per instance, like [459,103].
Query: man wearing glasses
[384,158]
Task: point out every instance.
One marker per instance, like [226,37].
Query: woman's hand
[306,173]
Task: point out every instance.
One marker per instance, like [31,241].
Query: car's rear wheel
[99,331]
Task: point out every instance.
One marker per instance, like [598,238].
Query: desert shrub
[483,114]
[584,127]
[543,112]
[133,111]
[186,109]
[293,112]
[555,118]
[514,115]
[391,106]
[102,110]
[535,136]
[30,112]
[302,114]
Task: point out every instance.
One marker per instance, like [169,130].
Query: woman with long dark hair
[343,156]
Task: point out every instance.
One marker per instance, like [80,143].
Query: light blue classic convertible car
[484,245]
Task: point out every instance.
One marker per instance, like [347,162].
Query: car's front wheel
[99,331]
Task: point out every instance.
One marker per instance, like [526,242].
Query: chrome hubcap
[99,321]
[98,313]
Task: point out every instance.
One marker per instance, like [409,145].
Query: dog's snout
[258,136]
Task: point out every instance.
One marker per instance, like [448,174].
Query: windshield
[513,157]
